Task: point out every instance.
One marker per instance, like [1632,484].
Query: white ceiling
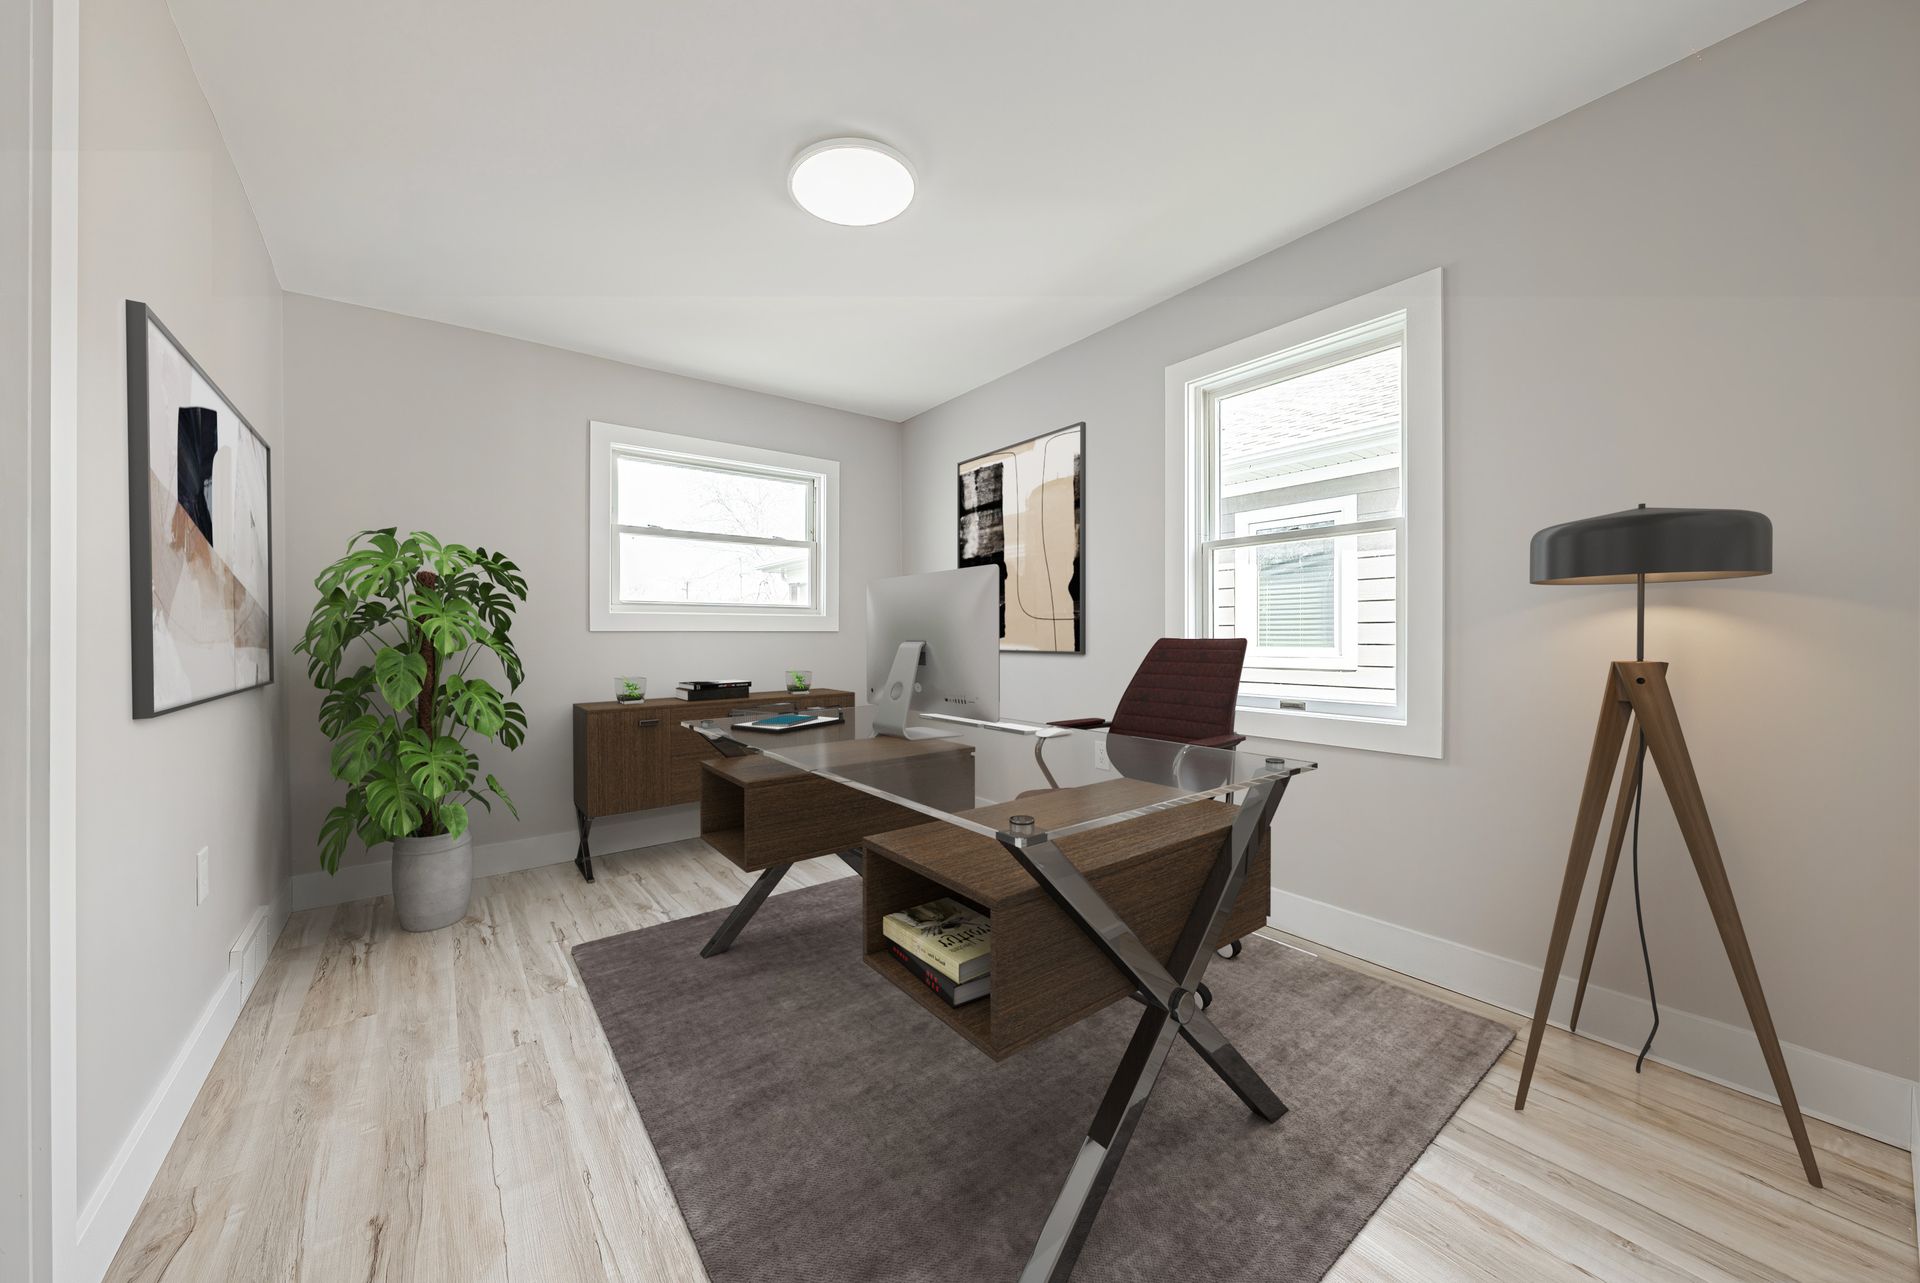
[609,175]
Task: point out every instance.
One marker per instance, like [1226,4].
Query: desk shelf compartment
[1046,974]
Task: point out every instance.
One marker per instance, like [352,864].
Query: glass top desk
[1147,840]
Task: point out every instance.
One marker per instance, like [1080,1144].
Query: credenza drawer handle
[646,722]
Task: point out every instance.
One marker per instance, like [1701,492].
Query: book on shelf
[713,690]
[955,940]
[954,994]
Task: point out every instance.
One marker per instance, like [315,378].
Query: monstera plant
[393,642]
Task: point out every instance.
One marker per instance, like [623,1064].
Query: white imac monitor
[933,646]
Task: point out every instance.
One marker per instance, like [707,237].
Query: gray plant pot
[432,881]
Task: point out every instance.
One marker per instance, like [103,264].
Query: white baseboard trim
[248,956]
[375,878]
[1857,1097]
[108,1213]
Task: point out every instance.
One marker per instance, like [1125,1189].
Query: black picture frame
[1078,581]
[140,320]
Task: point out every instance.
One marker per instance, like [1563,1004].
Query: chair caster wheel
[1206,996]
[1231,951]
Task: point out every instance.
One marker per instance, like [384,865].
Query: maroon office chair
[1183,691]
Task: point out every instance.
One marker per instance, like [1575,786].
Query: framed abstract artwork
[1021,509]
[200,523]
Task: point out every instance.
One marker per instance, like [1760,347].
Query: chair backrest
[1184,690]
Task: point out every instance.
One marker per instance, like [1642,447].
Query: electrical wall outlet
[203,873]
[1100,753]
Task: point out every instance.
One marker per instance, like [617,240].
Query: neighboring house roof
[1343,413]
[785,562]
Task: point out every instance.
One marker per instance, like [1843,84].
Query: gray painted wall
[162,219]
[483,440]
[1701,290]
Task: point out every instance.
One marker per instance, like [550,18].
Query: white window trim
[1420,559]
[606,613]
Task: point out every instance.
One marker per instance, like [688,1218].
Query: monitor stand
[894,703]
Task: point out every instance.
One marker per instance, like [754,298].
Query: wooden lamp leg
[1607,735]
[1622,815]
[1646,686]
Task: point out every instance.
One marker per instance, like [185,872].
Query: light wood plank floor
[442,1107]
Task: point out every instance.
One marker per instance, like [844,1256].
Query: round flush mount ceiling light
[855,182]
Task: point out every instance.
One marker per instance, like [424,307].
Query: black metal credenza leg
[583,855]
[1171,994]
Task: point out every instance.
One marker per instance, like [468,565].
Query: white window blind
[1296,604]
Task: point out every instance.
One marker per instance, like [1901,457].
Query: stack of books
[714,690]
[946,945]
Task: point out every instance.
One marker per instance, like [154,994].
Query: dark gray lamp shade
[1664,544]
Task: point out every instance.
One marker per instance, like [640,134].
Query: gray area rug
[819,1127]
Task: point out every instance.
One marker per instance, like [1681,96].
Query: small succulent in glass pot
[629,690]
[799,681]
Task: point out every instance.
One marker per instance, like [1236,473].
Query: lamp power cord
[1639,778]
[1639,917]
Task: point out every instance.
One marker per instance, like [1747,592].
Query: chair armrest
[1217,741]
[1081,723]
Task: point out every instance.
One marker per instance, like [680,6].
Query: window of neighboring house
[703,535]
[1300,595]
[1307,515]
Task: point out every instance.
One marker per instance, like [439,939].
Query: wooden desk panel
[981,869]
[758,812]
[1046,974]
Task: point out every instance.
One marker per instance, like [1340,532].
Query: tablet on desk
[785,722]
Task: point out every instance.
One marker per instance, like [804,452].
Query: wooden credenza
[637,756]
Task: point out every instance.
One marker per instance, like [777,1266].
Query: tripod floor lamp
[1641,546]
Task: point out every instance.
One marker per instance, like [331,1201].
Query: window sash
[815,488]
[670,532]
[1380,334]
[695,463]
[1350,344]
[810,605]
[1396,523]
[1201,616]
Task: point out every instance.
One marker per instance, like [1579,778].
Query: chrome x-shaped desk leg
[1173,1007]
